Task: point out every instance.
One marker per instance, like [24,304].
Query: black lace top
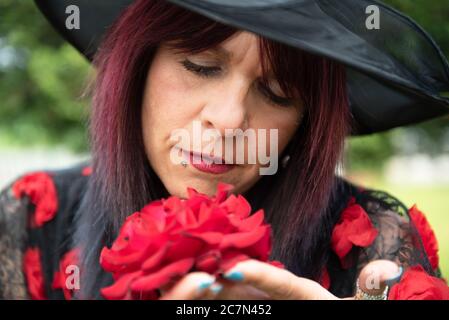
[36,226]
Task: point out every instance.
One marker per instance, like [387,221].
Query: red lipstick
[207,164]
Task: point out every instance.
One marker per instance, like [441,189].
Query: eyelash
[208,72]
[202,71]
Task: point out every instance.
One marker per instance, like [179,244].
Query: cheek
[285,121]
[163,94]
[290,126]
[165,107]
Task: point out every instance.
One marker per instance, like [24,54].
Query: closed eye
[202,71]
[273,98]
[209,72]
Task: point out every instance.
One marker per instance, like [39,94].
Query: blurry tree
[41,81]
[431,137]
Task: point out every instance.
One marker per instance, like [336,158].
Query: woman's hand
[253,279]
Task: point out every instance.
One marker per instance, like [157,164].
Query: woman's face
[217,89]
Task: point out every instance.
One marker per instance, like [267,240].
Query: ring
[362,295]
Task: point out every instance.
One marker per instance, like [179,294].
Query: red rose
[171,237]
[61,276]
[416,284]
[32,269]
[39,187]
[427,235]
[353,229]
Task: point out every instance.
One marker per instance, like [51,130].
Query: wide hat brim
[397,75]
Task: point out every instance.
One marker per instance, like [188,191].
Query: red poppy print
[65,277]
[41,190]
[427,235]
[32,269]
[354,229]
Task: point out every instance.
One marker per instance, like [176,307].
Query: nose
[226,108]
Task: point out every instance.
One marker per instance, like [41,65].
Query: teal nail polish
[400,271]
[216,288]
[205,284]
[393,280]
[234,276]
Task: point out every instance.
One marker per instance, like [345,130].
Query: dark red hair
[295,199]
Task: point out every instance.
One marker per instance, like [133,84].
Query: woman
[164,67]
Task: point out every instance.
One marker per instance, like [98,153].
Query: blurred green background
[42,80]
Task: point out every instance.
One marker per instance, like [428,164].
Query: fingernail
[234,276]
[391,281]
[205,284]
[216,288]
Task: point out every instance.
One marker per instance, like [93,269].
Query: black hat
[397,75]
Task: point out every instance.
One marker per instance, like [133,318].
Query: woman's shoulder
[36,215]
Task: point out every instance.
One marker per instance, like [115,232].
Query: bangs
[288,65]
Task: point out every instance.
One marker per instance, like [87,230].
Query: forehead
[238,46]
[241,49]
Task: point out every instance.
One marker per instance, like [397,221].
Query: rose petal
[154,213]
[243,239]
[222,191]
[158,279]
[208,262]
[191,192]
[187,218]
[154,260]
[204,213]
[237,205]
[113,262]
[173,205]
[184,246]
[121,287]
[231,258]
[211,238]
[194,203]
[248,224]
[261,249]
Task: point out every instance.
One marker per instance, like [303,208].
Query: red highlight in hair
[122,181]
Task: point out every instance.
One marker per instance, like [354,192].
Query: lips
[206,163]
